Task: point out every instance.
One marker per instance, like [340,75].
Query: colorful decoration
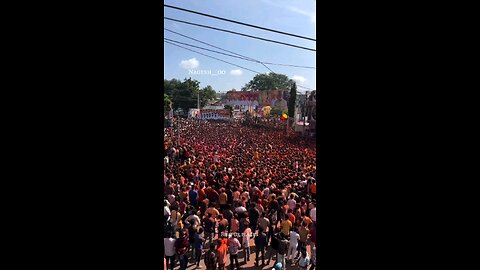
[266,111]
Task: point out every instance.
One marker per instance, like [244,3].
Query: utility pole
[198,106]
[178,128]
[305,112]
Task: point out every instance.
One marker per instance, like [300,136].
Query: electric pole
[198,106]
[305,112]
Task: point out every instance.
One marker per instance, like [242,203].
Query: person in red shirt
[183,206]
[313,235]
[213,196]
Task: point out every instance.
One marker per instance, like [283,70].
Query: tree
[183,94]
[207,94]
[291,104]
[229,107]
[169,86]
[276,111]
[167,103]
[269,81]
[291,101]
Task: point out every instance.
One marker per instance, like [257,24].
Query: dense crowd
[228,183]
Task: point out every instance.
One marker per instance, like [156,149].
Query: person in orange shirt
[306,220]
[223,199]
[286,226]
[222,253]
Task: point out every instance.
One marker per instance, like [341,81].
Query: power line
[287,65]
[207,44]
[241,23]
[212,57]
[241,34]
[306,88]
[216,47]
[242,56]
[227,62]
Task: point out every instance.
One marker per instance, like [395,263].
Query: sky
[296,17]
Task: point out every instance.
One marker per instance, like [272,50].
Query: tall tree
[167,103]
[169,86]
[269,81]
[184,95]
[207,94]
[291,101]
[230,108]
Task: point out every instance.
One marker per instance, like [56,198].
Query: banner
[215,114]
[254,99]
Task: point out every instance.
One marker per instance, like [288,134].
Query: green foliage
[207,94]
[229,107]
[167,103]
[291,101]
[276,111]
[184,94]
[269,81]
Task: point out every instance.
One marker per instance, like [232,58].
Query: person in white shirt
[171,198]
[195,218]
[291,202]
[294,237]
[313,214]
[246,196]
[247,234]
[303,183]
[169,243]
[166,160]
[166,210]
[304,261]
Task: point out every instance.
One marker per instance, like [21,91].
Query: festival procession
[239,166]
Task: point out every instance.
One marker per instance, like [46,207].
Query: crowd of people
[228,186]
